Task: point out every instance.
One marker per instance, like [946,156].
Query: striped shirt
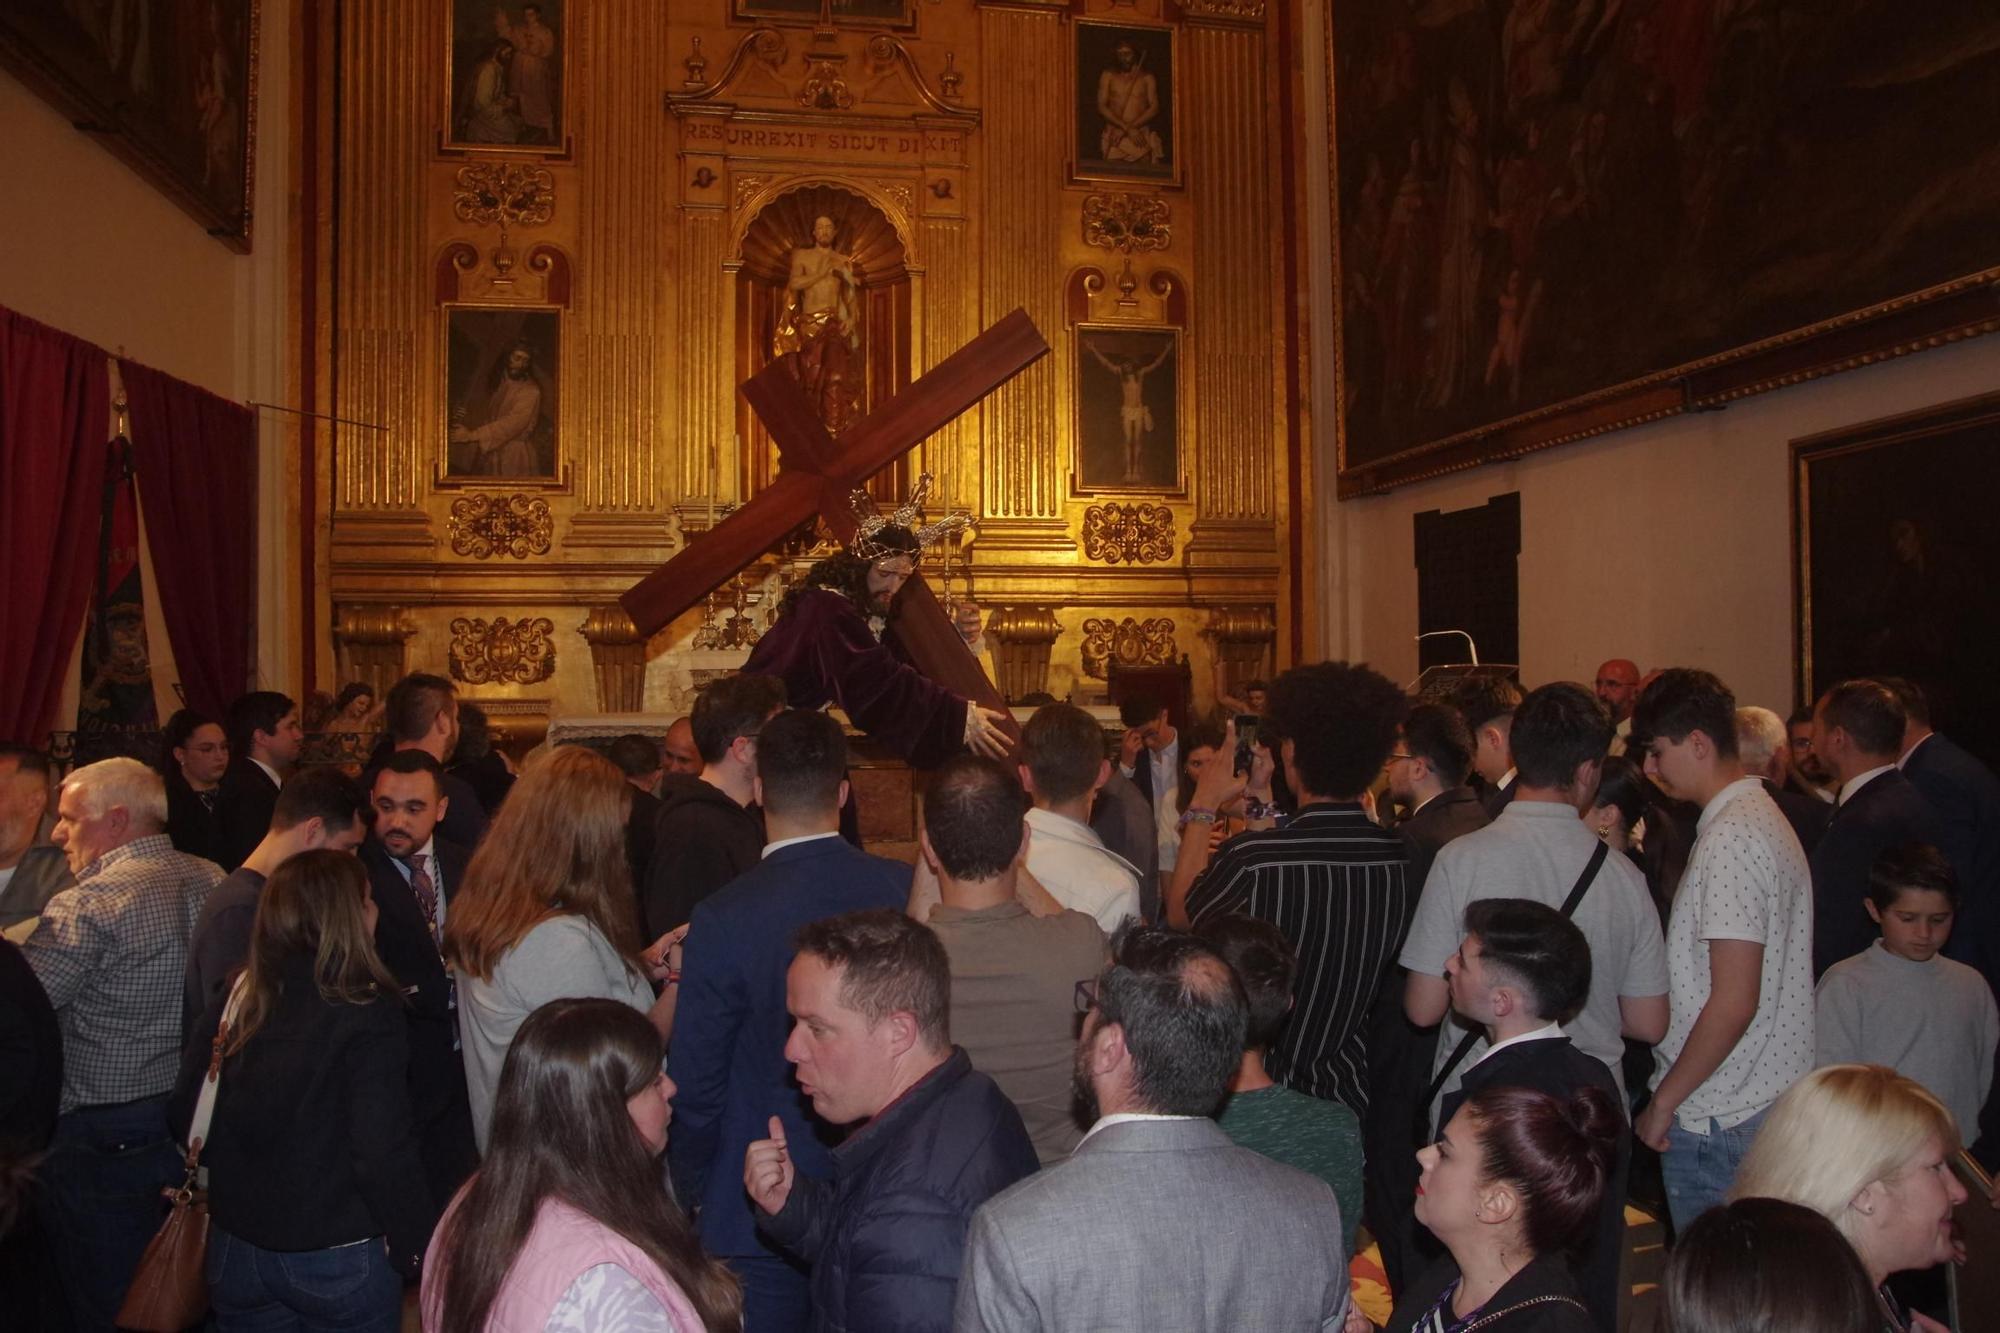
[112,954]
[1332,881]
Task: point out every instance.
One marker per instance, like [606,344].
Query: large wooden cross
[816,475]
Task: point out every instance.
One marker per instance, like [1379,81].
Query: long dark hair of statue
[847,573]
[561,1129]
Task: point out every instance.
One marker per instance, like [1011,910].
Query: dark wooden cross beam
[816,475]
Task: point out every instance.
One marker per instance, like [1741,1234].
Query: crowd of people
[1155,1026]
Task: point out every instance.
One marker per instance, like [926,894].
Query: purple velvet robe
[825,653]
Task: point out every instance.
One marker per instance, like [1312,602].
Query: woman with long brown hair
[546,913]
[316,1195]
[566,1226]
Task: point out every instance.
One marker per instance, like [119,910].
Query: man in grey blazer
[1157,1222]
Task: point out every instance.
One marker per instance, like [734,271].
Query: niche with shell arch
[862,231]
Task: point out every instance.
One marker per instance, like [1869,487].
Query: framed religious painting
[1124,113]
[1894,548]
[171,89]
[900,14]
[503,399]
[508,76]
[1561,217]
[1128,388]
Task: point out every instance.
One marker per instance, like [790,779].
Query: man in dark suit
[1522,968]
[413,871]
[1487,704]
[421,713]
[1966,795]
[1764,748]
[264,738]
[1426,773]
[638,758]
[728,1055]
[1858,734]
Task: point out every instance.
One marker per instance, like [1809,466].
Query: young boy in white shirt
[1900,1002]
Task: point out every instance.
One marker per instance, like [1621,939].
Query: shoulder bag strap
[1471,1039]
[204,1106]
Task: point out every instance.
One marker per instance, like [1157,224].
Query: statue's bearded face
[1127,56]
[823,231]
[886,578]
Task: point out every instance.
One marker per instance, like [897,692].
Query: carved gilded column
[388,377]
[1236,405]
[370,643]
[950,320]
[1021,202]
[624,278]
[1026,637]
[1242,639]
[617,657]
[703,367]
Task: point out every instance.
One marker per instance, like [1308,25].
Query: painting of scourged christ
[170,88]
[1541,202]
[506,74]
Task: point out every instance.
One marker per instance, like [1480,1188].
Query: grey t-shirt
[1536,850]
[1934,1022]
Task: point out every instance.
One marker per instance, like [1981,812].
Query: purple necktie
[425,888]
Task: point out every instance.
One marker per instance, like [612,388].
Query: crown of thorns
[868,543]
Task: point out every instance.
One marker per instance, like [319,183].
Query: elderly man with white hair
[1764,745]
[111,953]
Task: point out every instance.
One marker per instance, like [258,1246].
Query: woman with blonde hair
[546,913]
[316,1196]
[1870,1151]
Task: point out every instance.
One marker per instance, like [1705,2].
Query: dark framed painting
[503,404]
[1559,217]
[845,13]
[508,75]
[1894,552]
[171,89]
[1124,121]
[1128,385]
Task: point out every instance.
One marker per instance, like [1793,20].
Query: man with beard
[504,445]
[1162,1037]
[835,643]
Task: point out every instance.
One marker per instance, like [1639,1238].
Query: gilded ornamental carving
[1134,534]
[508,193]
[502,651]
[1128,223]
[483,525]
[1129,642]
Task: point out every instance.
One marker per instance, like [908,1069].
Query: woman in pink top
[568,1226]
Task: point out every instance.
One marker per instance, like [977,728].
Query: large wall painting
[503,391]
[1558,217]
[1894,552]
[507,68]
[171,89]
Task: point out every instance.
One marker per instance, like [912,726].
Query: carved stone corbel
[1244,638]
[1026,636]
[618,657]
[371,644]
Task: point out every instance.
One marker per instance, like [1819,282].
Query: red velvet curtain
[196,456]
[55,419]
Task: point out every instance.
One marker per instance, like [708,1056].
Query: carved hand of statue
[983,735]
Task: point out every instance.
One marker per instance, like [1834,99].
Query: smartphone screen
[1246,740]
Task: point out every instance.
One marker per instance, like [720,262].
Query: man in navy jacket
[728,1052]
[1966,796]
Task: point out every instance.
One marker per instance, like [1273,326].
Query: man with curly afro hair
[1331,879]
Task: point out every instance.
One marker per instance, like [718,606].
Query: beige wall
[1669,544]
[96,251]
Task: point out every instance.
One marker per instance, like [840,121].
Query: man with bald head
[678,748]
[1162,1036]
[1618,690]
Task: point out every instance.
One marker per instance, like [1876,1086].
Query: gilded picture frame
[502,404]
[169,89]
[506,78]
[1142,145]
[899,15]
[1892,559]
[1129,394]
[1591,216]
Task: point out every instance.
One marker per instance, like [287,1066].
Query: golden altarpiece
[548,280]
